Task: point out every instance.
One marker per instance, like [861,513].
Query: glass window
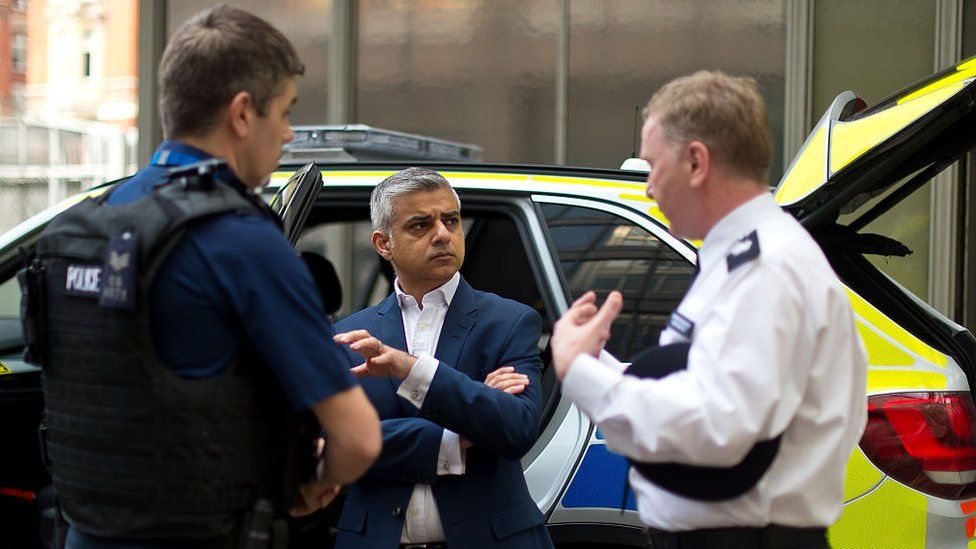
[10,144]
[344,238]
[18,52]
[306,23]
[72,147]
[621,51]
[347,246]
[603,252]
[38,142]
[475,72]
[86,55]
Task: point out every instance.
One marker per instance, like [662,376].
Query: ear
[381,243]
[241,114]
[699,163]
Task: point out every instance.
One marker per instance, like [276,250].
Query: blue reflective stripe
[599,481]
[169,157]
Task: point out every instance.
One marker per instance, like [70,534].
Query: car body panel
[847,139]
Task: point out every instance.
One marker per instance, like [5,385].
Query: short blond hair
[724,112]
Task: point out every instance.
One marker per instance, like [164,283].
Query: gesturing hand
[583,329]
[508,380]
[381,360]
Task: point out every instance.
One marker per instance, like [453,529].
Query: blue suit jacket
[488,506]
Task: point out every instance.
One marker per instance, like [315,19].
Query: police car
[543,235]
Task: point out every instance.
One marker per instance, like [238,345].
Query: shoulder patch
[743,251]
[681,324]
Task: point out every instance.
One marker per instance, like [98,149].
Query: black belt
[431,545]
[768,537]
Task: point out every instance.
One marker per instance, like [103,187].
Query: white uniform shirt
[774,350]
[422,328]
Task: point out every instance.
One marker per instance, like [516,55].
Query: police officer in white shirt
[743,440]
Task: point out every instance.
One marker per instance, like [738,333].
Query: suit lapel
[389,330]
[389,324]
[461,317]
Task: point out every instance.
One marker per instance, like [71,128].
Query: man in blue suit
[449,474]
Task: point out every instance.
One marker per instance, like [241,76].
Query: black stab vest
[136,450]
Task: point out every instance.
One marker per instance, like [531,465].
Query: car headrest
[326,279]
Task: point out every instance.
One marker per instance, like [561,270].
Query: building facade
[68,101]
[13,56]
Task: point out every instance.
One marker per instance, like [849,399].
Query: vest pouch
[33,306]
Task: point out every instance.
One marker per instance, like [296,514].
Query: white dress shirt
[773,351]
[422,327]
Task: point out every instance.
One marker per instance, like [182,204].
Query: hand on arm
[508,380]
[504,379]
[494,420]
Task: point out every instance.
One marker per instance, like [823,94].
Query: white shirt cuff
[611,360]
[589,380]
[415,386]
[450,458]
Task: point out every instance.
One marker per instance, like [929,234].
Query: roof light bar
[359,142]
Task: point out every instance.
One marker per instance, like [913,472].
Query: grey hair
[403,182]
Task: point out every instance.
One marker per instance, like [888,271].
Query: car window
[10,298]
[496,259]
[895,213]
[603,252]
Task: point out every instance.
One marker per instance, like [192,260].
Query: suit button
[397,512]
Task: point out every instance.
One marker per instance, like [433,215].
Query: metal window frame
[151,43]
[798,93]
[945,241]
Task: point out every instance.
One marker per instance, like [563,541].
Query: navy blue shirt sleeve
[236,278]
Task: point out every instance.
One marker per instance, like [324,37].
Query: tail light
[925,441]
[25,495]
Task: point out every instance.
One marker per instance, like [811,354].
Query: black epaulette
[743,251]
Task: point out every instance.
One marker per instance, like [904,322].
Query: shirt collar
[176,153]
[445,291]
[734,226]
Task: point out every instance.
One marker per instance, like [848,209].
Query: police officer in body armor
[739,425]
[178,330]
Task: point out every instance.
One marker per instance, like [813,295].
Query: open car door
[855,153]
[294,201]
[858,164]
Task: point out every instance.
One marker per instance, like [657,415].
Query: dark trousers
[768,537]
